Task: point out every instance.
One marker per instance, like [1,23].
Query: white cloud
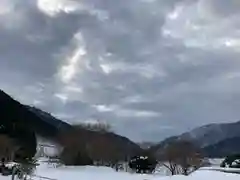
[69,70]
[199,25]
[73,88]
[148,114]
[62,97]
[54,7]
[104,108]
[175,13]
[106,68]
[74,61]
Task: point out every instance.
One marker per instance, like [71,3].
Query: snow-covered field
[103,173]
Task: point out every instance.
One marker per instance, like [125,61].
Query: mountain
[48,118]
[223,148]
[32,120]
[209,137]
[22,126]
[213,133]
[11,111]
[126,146]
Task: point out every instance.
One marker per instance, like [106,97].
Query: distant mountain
[223,148]
[209,138]
[213,133]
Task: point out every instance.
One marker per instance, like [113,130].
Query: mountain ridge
[209,137]
[53,129]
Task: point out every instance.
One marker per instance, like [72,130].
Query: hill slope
[223,148]
[215,139]
[49,127]
[11,111]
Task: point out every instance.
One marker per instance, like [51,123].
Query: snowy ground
[102,173]
[216,162]
[94,173]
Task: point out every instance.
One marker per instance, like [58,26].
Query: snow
[228,170]
[101,173]
[216,162]
[88,172]
[104,173]
[46,170]
[208,174]
[4,177]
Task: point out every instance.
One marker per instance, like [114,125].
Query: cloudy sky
[150,68]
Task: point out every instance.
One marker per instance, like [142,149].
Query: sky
[149,68]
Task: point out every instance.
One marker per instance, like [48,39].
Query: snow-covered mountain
[210,138]
[213,133]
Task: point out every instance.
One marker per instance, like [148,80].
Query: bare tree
[96,126]
[181,157]
[190,157]
[167,158]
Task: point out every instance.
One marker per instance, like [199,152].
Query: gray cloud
[158,67]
